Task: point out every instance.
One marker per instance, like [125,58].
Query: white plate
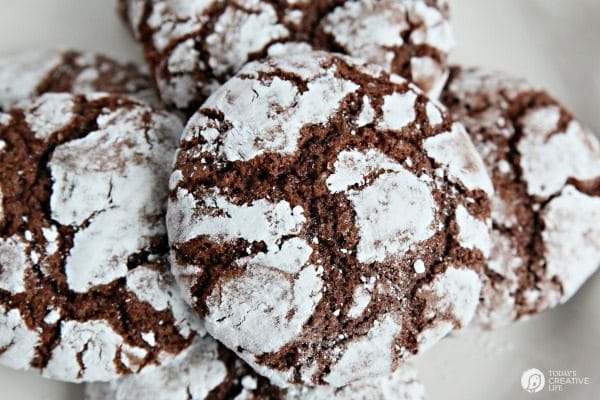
[554,43]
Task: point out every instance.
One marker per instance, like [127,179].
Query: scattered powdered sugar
[549,158]
[52,317]
[367,357]
[14,261]
[572,237]
[182,57]
[473,86]
[456,153]
[419,266]
[49,113]
[149,337]
[473,233]
[398,110]
[17,341]
[180,90]
[110,181]
[51,237]
[96,344]
[393,211]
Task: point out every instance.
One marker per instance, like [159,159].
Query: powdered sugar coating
[50,114]
[16,339]
[309,227]
[239,32]
[88,187]
[473,234]
[193,47]
[88,351]
[572,235]
[548,159]
[375,30]
[455,152]
[206,367]
[367,357]
[546,168]
[27,74]
[13,264]
[284,108]
[384,232]
[82,281]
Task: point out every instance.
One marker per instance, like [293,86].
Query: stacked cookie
[340,199]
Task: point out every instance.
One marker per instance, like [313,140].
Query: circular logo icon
[533,380]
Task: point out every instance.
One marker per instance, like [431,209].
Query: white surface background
[553,43]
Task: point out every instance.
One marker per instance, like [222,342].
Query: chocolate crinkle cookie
[324,244]
[194,46]
[31,73]
[85,290]
[208,370]
[545,167]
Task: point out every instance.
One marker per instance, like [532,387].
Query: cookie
[29,74]
[193,47]
[327,219]
[85,289]
[545,166]
[208,370]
